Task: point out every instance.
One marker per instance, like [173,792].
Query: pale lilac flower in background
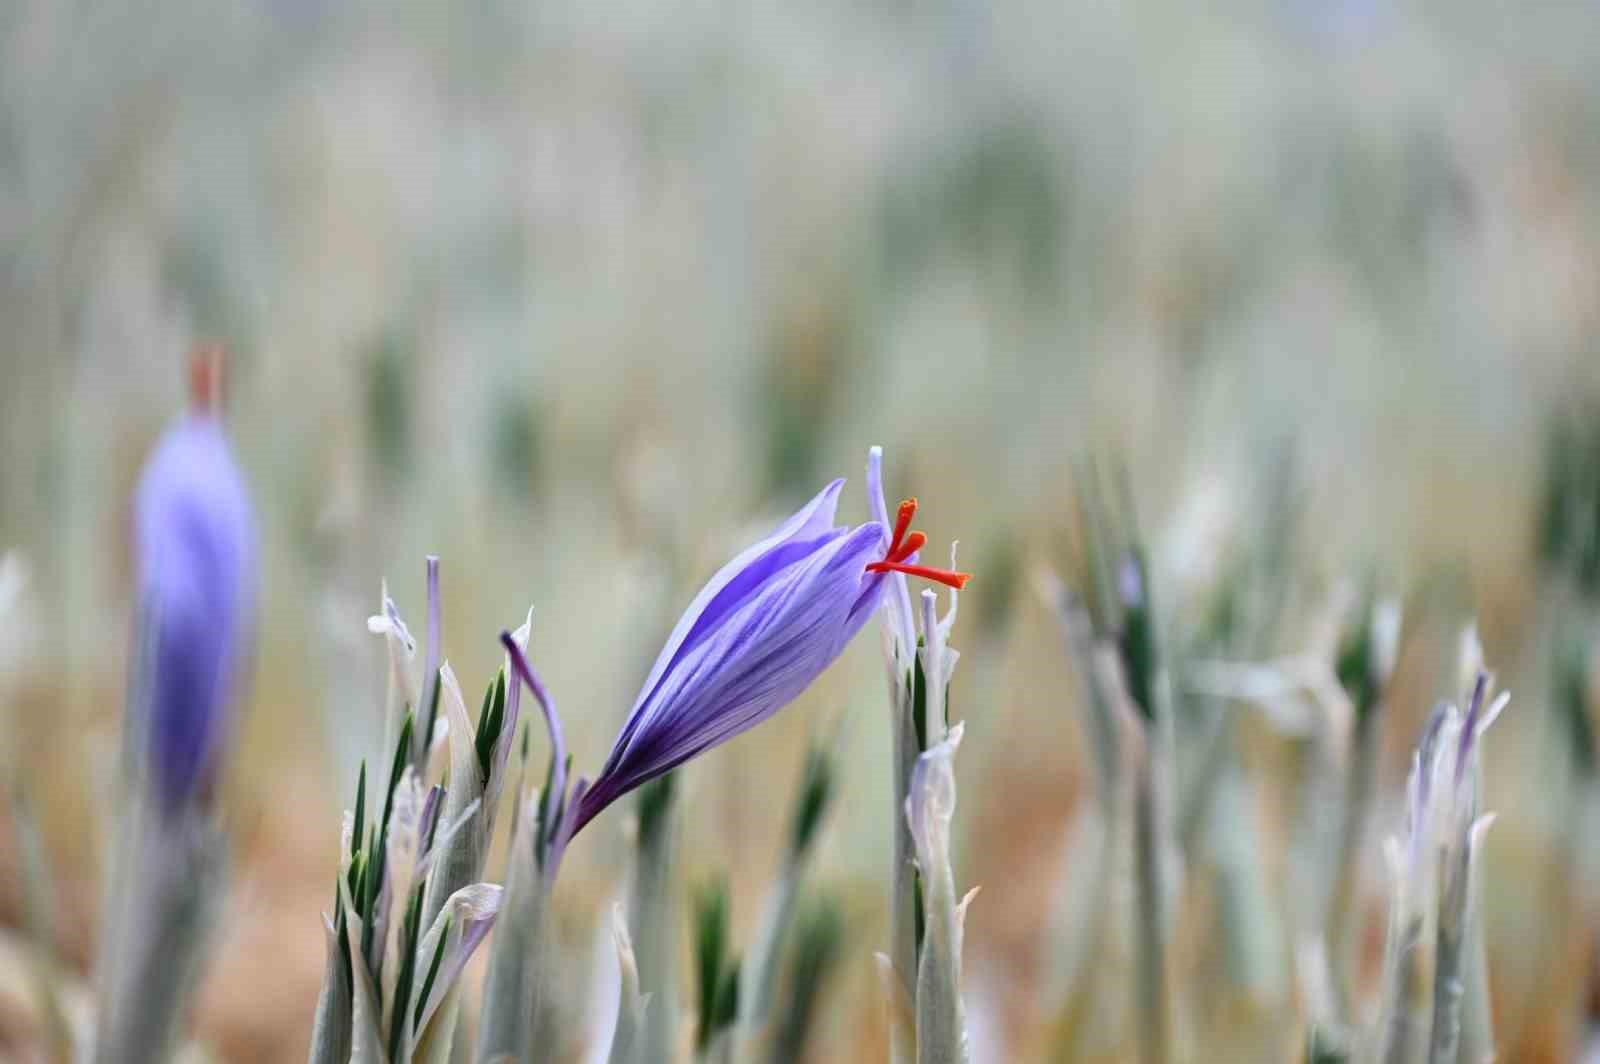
[196,550]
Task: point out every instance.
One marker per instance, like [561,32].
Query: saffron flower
[754,638]
[195,552]
[196,558]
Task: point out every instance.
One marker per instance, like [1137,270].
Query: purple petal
[1469,727]
[809,528]
[552,720]
[428,819]
[463,924]
[196,546]
[735,581]
[762,653]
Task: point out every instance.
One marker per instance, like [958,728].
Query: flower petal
[196,551]
[741,577]
[758,657]
[462,925]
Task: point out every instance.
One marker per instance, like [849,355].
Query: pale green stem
[512,992]
[652,923]
[902,899]
[1344,924]
[168,875]
[36,896]
[761,971]
[1151,966]
[330,1030]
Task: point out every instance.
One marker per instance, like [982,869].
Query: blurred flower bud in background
[196,554]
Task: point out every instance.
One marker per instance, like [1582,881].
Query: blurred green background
[581,297]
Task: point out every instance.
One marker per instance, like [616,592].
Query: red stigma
[205,377]
[948,577]
[903,545]
[902,521]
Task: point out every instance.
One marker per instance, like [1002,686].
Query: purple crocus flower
[196,553]
[754,638]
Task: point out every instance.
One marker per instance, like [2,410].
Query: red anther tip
[205,377]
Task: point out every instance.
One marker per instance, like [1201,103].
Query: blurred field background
[582,297]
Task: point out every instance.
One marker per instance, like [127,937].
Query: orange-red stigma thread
[206,367]
[904,544]
[902,521]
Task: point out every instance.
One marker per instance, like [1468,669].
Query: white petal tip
[1492,714]
[524,632]
[1480,828]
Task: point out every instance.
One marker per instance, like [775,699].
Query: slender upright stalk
[652,917]
[166,882]
[38,909]
[1152,984]
[1344,910]
[940,1019]
[761,973]
[903,877]
[512,996]
[819,946]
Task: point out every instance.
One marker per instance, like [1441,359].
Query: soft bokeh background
[580,296]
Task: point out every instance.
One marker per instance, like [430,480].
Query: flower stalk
[941,1030]
[1114,639]
[760,976]
[1364,667]
[652,915]
[916,717]
[716,977]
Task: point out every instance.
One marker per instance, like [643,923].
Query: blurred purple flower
[196,552]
